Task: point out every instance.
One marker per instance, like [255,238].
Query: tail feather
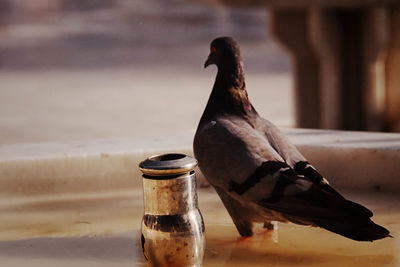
[353,221]
[357,209]
[368,231]
[326,208]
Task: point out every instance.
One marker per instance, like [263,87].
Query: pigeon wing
[229,150]
[263,168]
[301,192]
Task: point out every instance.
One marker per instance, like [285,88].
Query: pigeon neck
[231,75]
[229,95]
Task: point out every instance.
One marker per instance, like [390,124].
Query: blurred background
[90,69]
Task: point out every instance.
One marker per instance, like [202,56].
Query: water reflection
[113,235]
[299,246]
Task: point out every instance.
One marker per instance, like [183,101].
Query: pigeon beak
[208,62]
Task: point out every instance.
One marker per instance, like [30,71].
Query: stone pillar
[290,28]
[325,37]
[347,65]
[353,80]
[393,73]
[376,40]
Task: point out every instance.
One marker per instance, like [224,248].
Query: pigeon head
[225,53]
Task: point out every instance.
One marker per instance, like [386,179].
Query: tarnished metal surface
[172,225]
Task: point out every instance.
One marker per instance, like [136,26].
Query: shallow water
[96,230]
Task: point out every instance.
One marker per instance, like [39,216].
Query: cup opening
[167,157]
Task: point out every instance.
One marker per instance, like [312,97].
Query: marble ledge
[355,160]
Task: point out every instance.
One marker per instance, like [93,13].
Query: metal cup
[172,225]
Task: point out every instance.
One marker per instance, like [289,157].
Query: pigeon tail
[329,210]
[352,220]
[366,231]
[355,223]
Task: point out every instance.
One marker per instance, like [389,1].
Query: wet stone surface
[107,231]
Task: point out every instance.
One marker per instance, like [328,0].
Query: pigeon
[257,172]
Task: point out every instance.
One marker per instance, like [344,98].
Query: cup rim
[167,164]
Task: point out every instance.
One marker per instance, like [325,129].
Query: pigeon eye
[213,49]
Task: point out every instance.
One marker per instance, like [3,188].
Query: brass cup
[172,225]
